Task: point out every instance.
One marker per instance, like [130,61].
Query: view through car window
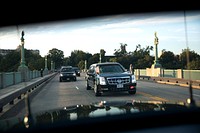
[63,70]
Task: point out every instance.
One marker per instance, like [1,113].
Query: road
[57,94]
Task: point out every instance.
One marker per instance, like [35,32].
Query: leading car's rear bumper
[126,87]
[67,78]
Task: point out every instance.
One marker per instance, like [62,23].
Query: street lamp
[23,68]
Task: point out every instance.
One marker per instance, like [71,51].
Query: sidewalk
[12,95]
[13,88]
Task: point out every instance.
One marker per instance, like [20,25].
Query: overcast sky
[107,32]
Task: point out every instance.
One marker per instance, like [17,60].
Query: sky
[174,32]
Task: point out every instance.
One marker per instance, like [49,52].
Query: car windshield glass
[110,69]
[67,70]
[76,69]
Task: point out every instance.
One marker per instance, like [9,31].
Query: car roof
[76,67]
[66,67]
[105,63]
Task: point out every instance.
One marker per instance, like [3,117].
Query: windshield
[158,53]
[76,68]
[67,70]
[111,69]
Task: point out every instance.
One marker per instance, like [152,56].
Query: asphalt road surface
[57,94]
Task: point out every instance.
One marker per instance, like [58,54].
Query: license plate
[68,79]
[120,86]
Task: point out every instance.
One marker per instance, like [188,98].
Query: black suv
[67,73]
[78,71]
[110,76]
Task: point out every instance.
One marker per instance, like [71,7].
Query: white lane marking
[77,88]
[196,95]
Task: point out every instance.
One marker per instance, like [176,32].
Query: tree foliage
[11,61]
[169,60]
[57,56]
[121,51]
[140,58]
[190,59]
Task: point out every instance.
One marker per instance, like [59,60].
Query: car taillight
[132,87]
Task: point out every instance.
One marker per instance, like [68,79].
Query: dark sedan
[67,74]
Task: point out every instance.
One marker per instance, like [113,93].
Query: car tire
[60,80]
[87,85]
[75,79]
[96,91]
[132,92]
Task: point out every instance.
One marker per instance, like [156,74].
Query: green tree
[93,59]
[195,64]
[78,56]
[66,61]
[10,61]
[34,61]
[57,56]
[169,60]
[141,57]
[189,59]
[122,51]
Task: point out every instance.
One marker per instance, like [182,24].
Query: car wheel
[96,91]
[87,85]
[75,79]
[132,92]
[60,80]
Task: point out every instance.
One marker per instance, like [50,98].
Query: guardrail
[13,78]
[174,81]
[9,98]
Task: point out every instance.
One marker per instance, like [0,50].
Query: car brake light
[132,87]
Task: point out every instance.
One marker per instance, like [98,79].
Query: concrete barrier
[9,97]
[174,81]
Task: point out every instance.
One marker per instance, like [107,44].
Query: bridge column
[85,65]
[45,67]
[51,66]
[23,68]
[156,61]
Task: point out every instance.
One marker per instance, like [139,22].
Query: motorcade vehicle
[67,73]
[110,76]
[78,71]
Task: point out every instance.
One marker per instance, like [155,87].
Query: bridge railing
[174,81]
[19,93]
[13,78]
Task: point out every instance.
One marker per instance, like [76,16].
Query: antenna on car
[191,100]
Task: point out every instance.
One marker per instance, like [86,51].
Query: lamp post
[51,66]
[100,57]
[45,68]
[22,63]
[156,61]
[85,65]
[23,68]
